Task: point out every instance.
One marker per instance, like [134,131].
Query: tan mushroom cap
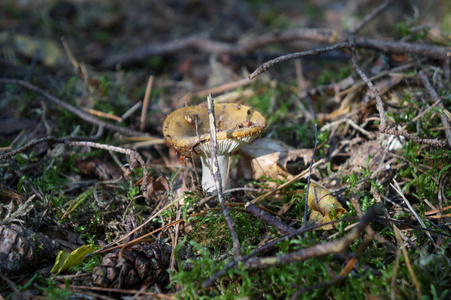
[187,128]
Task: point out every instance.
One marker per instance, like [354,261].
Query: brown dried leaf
[160,184]
[366,155]
[268,157]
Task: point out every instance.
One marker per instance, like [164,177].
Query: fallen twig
[48,139]
[315,52]
[433,94]
[375,12]
[397,188]
[135,157]
[269,219]
[328,36]
[121,291]
[407,260]
[317,250]
[351,45]
[78,112]
[146,103]
[380,107]
[217,177]
[268,246]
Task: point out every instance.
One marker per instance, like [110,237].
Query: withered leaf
[271,158]
[324,206]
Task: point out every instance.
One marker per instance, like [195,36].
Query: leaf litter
[356,162]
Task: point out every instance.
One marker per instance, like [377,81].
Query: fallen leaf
[159,184]
[324,206]
[66,260]
[271,158]
[366,155]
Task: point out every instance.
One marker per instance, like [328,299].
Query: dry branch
[436,98]
[202,44]
[268,246]
[375,12]
[351,45]
[269,219]
[79,113]
[383,128]
[317,250]
[280,59]
[135,157]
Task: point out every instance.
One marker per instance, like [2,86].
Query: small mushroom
[187,129]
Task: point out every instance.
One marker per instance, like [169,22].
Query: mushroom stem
[208,180]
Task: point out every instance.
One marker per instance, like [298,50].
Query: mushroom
[187,129]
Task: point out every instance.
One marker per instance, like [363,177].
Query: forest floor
[345,194]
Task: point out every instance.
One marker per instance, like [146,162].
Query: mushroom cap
[188,128]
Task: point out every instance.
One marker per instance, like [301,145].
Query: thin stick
[113,290]
[380,108]
[329,36]
[101,114]
[223,88]
[408,264]
[217,176]
[308,177]
[379,103]
[79,113]
[316,250]
[70,54]
[395,269]
[17,292]
[135,157]
[433,94]
[146,103]
[268,246]
[48,139]
[269,219]
[129,112]
[370,16]
[314,52]
[395,185]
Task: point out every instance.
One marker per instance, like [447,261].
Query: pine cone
[141,265]
[18,249]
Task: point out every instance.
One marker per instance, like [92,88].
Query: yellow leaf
[324,206]
[65,260]
[60,259]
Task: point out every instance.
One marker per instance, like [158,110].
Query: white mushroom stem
[208,180]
